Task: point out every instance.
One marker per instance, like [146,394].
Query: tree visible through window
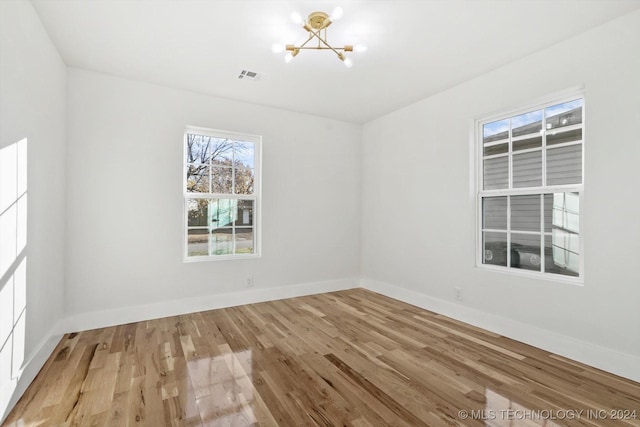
[221,194]
[529,192]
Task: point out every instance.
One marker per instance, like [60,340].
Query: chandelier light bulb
[348,62]
[277,48]
[288,57]
[297,18]
[360,48]
[336,14]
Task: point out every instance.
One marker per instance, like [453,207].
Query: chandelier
[316,25]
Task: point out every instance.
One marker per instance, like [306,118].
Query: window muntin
[221,194]
[531,180]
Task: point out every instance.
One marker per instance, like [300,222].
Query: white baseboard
[34,362]
[622,364]
[118,316]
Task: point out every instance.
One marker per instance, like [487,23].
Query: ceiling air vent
[249,75]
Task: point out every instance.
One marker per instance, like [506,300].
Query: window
[530,187]
[221,194]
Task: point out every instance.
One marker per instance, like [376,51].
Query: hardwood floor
[350,358]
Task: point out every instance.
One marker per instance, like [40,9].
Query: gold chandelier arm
[317,35]
[306,41]
[328,46]
[312,47]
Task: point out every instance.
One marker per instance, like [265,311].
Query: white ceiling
[416,48]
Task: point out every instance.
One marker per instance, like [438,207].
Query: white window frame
[256,197]
[477,140]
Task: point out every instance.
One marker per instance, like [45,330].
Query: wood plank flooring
[350,358]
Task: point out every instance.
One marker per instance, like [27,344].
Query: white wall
[124,233]
[32,106]
[419,208]
[123,199]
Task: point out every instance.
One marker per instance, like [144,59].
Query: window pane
[527,169]
[198,242]
[496,149]
[221,241]
[525,213]
[496,173]
[197,178]
[221,152]
[564,165]
[222,212]
[494,213]
[494,248]
[562,248]
[572,206]
[566,211]
[244,181]
[197,212]
[559,256]
[244,240]
[221,180]
[548,211]
[527,143]
[495,131]
[244,154]
[244,215]
[561,137]
[527,123]
[525,251]
[566,114]
[198,149]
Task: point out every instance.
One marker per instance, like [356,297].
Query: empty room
[313,213]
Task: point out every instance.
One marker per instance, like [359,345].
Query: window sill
[219,258]
[549,277]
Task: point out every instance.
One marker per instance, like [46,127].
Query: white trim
[477,139]
[495,156]
[525,191]
[613,361]
[256,197]
[525,151]
[209,258]
[565,144]
[220,196]
[494,143]
[534,104]
[563,129]
[543,236]
[29,369]
[532,135]
[119,316]
[218,133]
[547,276]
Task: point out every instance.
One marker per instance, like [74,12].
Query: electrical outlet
[457,292]
[250,281]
